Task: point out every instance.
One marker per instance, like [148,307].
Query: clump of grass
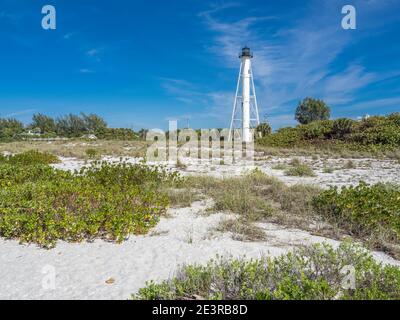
[310,273]
[280,166]
[181,198]
[257,197]
[242,230]
[91,153]
[328,170]
[295,162]
[349,165]
[237,196]
[300,170]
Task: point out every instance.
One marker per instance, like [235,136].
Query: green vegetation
[32,157]
[39,204]
[264,129]
[67,126]
[10,129]
[312,273]
[367,212]
[91,153]
[253,197]
[300,170]
[76,148]
[373,134]
[295,168]
[310,110]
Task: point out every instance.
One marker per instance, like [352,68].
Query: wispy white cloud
[378,104]
[85,71]
[20,113]
[297,60]
[216,105]
[69,35]
[93,52]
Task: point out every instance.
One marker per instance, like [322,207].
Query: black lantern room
[246,52]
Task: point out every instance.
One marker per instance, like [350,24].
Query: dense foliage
[315,272]
[370,212]
[67,126]
[378,132]
[116,134]
[32,157]
[10,129]
[263,129]
[310,110]
[40,204]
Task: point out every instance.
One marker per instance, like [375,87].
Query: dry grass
[77,148]
[253,198]
[182,198]
[300,170]
[349,165]
[241,230]
[328,152]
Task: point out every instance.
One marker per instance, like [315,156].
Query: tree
[142,133]
[45,123]
[264,129]
[310,110]
[94,123]
[71,125]
[9,128]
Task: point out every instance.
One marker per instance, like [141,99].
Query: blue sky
[141,63]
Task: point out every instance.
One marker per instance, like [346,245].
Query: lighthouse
[245,115]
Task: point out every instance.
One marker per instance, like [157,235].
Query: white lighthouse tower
[245,109]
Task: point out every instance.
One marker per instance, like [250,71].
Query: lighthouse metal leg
[255,97]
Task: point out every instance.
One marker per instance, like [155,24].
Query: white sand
[81,270]
[368,170]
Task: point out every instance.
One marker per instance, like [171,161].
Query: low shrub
[372,135]
[284,137]
[300,170]
[110,201]
[116,134]
[343,127]
[11,174]
[317,129]
[367,211]
[31,157]
[91,153]
[311,273]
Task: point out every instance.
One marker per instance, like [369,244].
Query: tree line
[70,126]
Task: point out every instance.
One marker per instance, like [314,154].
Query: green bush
[300,170]
[343,127]
[42,205]
[117,134]
[11,174]
[316,129]
[284,137]
[264,129]
[312,273]
[310,110]
[372,134]
[371,212]
[385,134]
[91,153]
[32,157]
[10,129]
